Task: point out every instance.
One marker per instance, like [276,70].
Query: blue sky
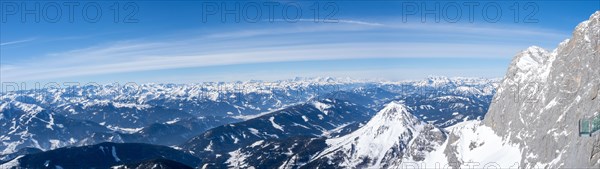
[188,41]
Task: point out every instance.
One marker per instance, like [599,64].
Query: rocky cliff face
[544,95]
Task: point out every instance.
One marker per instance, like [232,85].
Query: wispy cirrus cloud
[281,54]
[332,21]
[359,22]
[16,42]
[308,42]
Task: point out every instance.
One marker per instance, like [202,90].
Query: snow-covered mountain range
[532,122]
[168,114]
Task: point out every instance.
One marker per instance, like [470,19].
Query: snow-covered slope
[103,155]
[391,136]
[315,119]
[471,144]
[27,125]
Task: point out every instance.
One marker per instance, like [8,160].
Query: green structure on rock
[589,125]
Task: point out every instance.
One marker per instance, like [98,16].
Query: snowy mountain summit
[392,135]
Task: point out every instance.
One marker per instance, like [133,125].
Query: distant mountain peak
[380,142]
[395,111]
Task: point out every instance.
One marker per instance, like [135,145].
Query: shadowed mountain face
[23,151]
[174,132]
[104,155]
[154,164]
[314,119]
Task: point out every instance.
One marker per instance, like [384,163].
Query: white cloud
[332,21]
[145,61]
[16,42]
[279,44]
[359,22]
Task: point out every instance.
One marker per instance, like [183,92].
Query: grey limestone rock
[544,95]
